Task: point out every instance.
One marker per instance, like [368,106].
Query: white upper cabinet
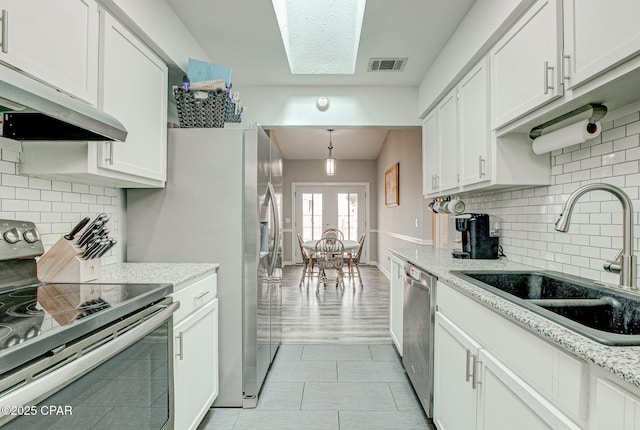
[134,90]
[526,62]
[440,147]
[598,36]
[474,134]
[448,142]
[430,154]
[55,42]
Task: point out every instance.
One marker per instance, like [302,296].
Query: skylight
[320,36]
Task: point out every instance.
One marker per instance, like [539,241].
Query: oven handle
[68,372]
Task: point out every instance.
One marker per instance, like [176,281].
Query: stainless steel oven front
[118,376]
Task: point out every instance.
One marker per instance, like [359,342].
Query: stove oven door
[118,377]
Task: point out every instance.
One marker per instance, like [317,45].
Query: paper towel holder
[599,111]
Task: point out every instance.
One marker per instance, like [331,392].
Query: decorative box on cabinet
[54,42]
[526,63]
[196,379]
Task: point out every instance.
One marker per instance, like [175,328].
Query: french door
[319,207]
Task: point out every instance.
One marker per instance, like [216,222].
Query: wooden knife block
[63,263]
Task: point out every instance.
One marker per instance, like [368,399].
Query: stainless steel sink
[604,314]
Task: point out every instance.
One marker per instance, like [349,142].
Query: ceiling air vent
[387,64]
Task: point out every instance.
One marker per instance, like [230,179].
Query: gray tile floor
[330,387]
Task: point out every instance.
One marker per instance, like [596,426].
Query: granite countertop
[177,274]
[623,361]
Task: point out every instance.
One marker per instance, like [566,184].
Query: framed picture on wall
[391,188]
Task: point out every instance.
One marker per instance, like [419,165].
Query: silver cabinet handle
[481,166]
[567,67]
[547,87]
[202,295]
[468,372]
[110,158]
[5,30]
[180,353]
[477,364]
[433,182]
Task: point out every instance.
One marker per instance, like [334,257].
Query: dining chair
[308,260]
[353,261]
[330,256]
[333,233]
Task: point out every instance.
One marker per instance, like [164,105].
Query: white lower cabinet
[454,392]
[195,370]
[507,402]
[490,374]
[396,302]
[614,407]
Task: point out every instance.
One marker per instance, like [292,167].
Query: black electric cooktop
[40,318]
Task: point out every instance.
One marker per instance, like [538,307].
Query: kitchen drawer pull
[202,295]
[180,353]
[468,374]
[5,30]
[547,87]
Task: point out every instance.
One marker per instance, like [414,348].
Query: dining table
[350,246]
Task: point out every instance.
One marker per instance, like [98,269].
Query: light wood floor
[355,316]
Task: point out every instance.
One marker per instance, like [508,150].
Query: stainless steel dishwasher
[417,334]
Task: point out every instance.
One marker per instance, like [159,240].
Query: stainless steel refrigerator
[222,204]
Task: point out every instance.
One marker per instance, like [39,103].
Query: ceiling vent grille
[387,64]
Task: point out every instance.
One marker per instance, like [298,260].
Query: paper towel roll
[566,136]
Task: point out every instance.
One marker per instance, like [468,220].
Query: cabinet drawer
[469,315]
[194,296]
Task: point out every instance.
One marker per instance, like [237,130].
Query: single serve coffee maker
[479,239]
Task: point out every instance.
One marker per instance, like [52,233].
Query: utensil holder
[63,263]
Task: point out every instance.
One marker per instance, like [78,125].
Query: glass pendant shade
[331,166]
[331,162]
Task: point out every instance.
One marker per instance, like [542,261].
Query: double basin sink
[607,315]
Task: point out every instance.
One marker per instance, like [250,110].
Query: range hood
[31,111]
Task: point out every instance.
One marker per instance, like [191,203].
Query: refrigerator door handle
[276,239]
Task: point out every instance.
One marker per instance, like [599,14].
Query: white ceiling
[348,144]
[244,35]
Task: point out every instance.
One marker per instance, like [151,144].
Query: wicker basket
[230,112]
[201,109]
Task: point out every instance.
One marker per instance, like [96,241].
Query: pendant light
[331,162]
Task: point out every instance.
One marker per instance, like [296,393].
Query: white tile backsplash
[527,215]
[54,206]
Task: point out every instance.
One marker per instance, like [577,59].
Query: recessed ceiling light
[320,36]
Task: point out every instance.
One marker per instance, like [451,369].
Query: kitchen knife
[100,217]
[110,245]
[91,248]
[88,235]
[77,228]
[97,249]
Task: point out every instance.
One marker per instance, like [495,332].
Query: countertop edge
[177,274]
[622,361]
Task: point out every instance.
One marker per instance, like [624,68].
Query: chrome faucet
[624,262]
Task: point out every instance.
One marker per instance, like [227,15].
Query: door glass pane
[311,216]
[348,215]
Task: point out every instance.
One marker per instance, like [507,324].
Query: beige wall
[396,225]
[363,171]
